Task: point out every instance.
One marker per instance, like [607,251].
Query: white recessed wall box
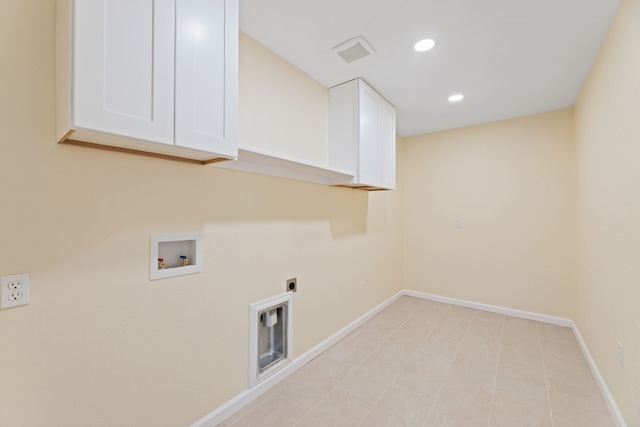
[175,254]
[270,336]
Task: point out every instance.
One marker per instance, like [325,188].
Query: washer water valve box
[175,255]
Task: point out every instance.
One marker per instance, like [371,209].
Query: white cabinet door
[206,75]
[387,132]
[123,68]
[155,77]
[368,169]
[362,135]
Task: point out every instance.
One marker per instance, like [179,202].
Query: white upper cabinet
[154,76]
[123,68]
[362,135]
[207,75]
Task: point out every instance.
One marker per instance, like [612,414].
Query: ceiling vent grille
[354,49]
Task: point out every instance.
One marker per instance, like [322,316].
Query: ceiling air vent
[354,49]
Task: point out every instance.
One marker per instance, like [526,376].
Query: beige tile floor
[423,363]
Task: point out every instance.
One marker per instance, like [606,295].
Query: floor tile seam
[566,348]
[306,411]
[364,417]
[546,381]
[495,377]
[384,339]
[356,366]
[351,372]
[413,354]
[315,405]
[425,337]
[417,309]
[400,326]
[401,310]
[298,372]
[352,368]
[264,400]
[565,378]
[393,381]
[236,422]
[226,419]
[372,407]
[435,400]
[359,330]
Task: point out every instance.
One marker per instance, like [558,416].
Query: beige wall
[510,183]
[100,344]
[608,166]
[265,94]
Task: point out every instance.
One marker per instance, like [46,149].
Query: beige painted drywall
[299,135]
[608,171]
[510,183]
[100,344]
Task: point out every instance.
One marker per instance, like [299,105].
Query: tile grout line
[314,405]
[544,369]
[404,365]
[275,390]
[495,378]
[293,403]
[418,346]
[449,370]
[257,405]
[353,368]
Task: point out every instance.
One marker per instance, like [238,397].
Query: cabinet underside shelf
[361,187]
[187,158]
[269,164]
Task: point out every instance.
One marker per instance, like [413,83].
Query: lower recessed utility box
[270,336]
[175,255]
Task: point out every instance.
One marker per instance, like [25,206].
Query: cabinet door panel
[387,146]
[368,165]
[123,72]
[203,42]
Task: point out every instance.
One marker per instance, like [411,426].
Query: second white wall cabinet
[152,76]
[362,136]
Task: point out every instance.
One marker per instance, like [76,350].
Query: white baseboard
[606,393]
[241,400]
[560,321]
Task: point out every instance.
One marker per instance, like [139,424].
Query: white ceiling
[509,57]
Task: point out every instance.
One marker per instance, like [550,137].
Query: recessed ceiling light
[456,97]
[424,45]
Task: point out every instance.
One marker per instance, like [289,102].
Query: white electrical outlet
[367,275]
[458,223]
[620,355]
[14,290]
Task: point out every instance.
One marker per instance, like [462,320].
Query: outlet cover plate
[14,290]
